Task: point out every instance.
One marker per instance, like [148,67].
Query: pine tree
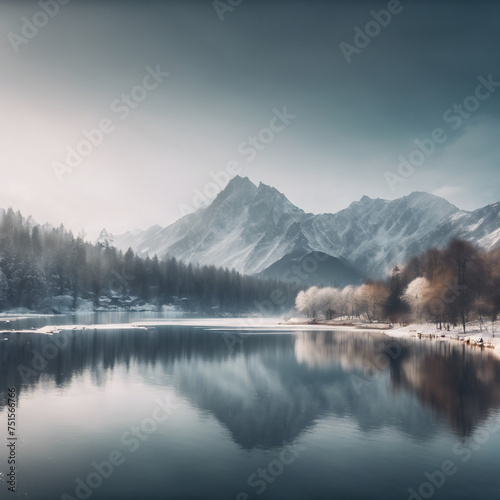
[395,307]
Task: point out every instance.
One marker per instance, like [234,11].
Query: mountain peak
[363,202]
[422,195]
[265,188]
[249,227]
[423,199]
[240,182]
[278,199]
[239,190]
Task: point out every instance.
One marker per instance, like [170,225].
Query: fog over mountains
[250,228]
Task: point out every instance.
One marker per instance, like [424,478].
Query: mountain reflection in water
[267,389]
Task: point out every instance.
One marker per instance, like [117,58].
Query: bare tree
[462,254]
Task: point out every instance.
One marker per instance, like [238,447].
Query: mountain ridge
[249,228]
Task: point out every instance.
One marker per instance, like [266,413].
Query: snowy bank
[477,335]
[474,336]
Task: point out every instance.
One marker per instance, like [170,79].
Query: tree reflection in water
[271,388]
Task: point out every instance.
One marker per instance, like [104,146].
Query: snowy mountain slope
[246,227]
[376,234]
[249,228]
[482,226]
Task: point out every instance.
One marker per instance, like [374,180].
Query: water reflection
[271,388]
[28,322]
[458,383]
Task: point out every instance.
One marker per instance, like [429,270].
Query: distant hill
[313,268]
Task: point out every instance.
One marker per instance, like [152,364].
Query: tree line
[38,263]
[449,286]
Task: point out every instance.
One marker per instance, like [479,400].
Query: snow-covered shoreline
[256,325]
[491,339]
[474,336]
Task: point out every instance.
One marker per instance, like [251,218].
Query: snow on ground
[83,306]
[248,325]
[252,324]
[475,331]
[14,315]
[51,329]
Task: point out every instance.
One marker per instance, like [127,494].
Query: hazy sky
[227,80]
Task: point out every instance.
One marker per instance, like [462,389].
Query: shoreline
[424,331]
[249,325]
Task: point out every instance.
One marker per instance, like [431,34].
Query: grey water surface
[194,412]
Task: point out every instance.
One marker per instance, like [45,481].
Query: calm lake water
[192,412]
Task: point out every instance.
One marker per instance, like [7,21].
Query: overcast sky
[227,78]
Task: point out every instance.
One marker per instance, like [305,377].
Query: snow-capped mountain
[246,227]
[482,226]
[249,228]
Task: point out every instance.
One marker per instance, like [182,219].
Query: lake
[200,410]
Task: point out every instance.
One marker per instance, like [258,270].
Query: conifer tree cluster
[38,263]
